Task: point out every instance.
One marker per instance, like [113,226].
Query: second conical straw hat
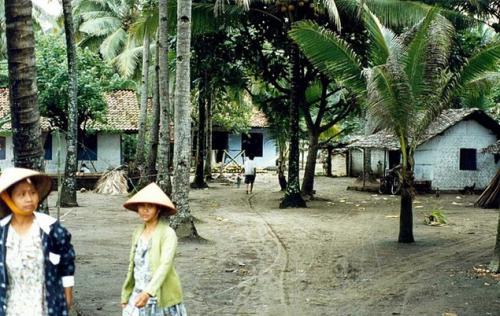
[152,194]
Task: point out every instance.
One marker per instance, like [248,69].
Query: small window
[87,147]
[3,149]
[468,159]
[47,147]
[252,144]
[219,140]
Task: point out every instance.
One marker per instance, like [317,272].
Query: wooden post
[364,167]
[59,178]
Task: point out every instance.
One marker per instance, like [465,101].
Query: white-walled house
[99,151]
[258,141]
[450,156]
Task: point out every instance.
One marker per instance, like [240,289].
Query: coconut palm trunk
[25,115]
[293,197]
[164,142]
[495,262]
[208,135]
[68,193]
[141,137]
[155,124]
[199,177]
[309,171]
[182,222]
[406,207]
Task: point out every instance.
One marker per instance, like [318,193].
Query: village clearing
[337,257]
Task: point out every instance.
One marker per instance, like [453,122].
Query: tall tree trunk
[141,137]
[292,195]
[155,124]
[182,222]
[495,262]
[406,211]
[309,171]
[406,214]
[68,192]
[199,177]
[329,162]
[208,135]
[25,115]
[164,142]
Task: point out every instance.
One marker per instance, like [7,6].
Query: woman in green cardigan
[152,286]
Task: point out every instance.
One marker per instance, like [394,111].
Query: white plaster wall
[438,159]
[108,154]
[9,153]
[356,162]
[339,165]
[377,162]
[269,150]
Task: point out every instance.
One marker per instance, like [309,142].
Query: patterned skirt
[152,309]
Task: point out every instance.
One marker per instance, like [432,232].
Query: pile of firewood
[113,182]
[491,195]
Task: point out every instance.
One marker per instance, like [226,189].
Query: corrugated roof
[122,114]
[386,140]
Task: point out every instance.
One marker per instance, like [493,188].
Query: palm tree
[68,193]
[28,150]
[165,117]
[155,123]
[408,84]
[183,221]
[105,25]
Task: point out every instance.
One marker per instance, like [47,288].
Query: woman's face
[148,212]
[25,196]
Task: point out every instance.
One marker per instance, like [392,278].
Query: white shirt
[249,167]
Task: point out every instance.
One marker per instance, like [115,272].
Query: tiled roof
[5,110]
[123,111]
[385,139]
[122,115]
[258,119]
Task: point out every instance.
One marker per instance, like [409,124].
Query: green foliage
[94,78]
[233,111]
[129,145]
[436,218]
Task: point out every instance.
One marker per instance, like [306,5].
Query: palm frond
[389,98]
[113,44]
[128,60]
[146,24]
[400,14]
[330,54]
[427,54]
[100,26]
[484,61]
[333,12]
[383,41]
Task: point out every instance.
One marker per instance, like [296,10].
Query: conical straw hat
[11,176]
[152,194]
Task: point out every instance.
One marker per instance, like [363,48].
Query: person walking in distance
[250,172]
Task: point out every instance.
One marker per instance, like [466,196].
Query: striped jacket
[59,263]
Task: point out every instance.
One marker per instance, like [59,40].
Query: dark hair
[12,186]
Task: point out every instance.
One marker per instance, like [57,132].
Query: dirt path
[337,257]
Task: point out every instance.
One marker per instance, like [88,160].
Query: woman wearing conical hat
[152,286]
[36,255]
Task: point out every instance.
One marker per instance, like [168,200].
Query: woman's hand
[142,299]
[68,294]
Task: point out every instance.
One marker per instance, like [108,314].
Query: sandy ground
[337,257]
